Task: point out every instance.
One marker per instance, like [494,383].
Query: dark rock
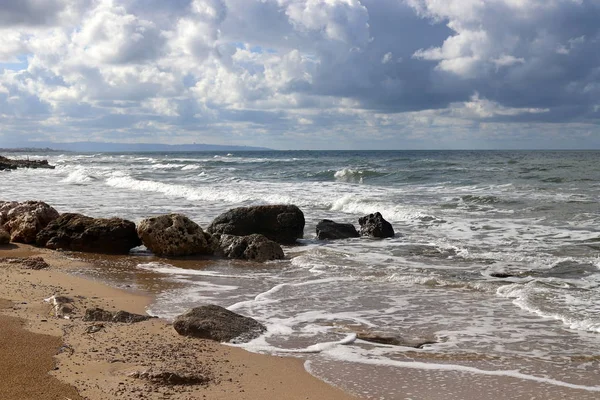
[327,229]
[175,235]
[94,328]
[502,275]
[35,263]
[217,323]
[252,247]
[8,163]
[100,315]
[25,220]
[170,378]
[392,340]
[76,232]
[374,225]
[280,223]
[4,236]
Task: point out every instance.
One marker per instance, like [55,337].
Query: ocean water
[496,260]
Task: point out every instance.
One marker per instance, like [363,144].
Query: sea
[490,287]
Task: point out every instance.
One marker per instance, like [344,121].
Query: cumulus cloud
[297,73]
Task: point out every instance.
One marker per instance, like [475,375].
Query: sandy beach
[46,356]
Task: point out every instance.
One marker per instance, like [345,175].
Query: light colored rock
[25,220]
[175,235]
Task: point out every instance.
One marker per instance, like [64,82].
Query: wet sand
[120,361]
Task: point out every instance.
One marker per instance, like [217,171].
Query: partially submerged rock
[25,220]
[100,315]
[76,232]
[374,225]
[252,247]
[394,340]
[327,229]
[280,223]
[175,235]
[219,324]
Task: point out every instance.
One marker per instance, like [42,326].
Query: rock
[392,340]
[217,323]
[161,377]
[62,305]
[5,207]
[25,220]
[4,237]
[35,263]
[280,223]
[100,315]
[76,232]
[7,163]
[502,275]
[374,225]
[175,235]
[327,229]
[252,247]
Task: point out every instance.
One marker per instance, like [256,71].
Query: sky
[302,74]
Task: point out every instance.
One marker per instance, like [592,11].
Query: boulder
[327,229]
[175,235]
[374,225]
[217,323]
[280,223]
[100,315]
[25,220]
[5,207]
[76,232]
[252,247]
[4,237]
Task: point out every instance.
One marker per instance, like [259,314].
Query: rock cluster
[8,163]
[219,324]
[77,232]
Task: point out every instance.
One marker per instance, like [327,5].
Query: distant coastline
[109,147]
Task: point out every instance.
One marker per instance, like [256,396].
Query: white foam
[341,355]
[79,177]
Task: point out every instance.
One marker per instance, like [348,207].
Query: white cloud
[273,69]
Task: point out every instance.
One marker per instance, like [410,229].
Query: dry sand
[120,361]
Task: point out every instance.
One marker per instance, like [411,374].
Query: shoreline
[112,360]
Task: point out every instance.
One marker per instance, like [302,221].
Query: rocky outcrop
[100,315]
[8,163]
[252,247]
[217,323]
[327,229]
[170,378]
[280,223]
[375,226]
[35,263]
[25,220]
[175,235]
[76,232]
[4,237]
